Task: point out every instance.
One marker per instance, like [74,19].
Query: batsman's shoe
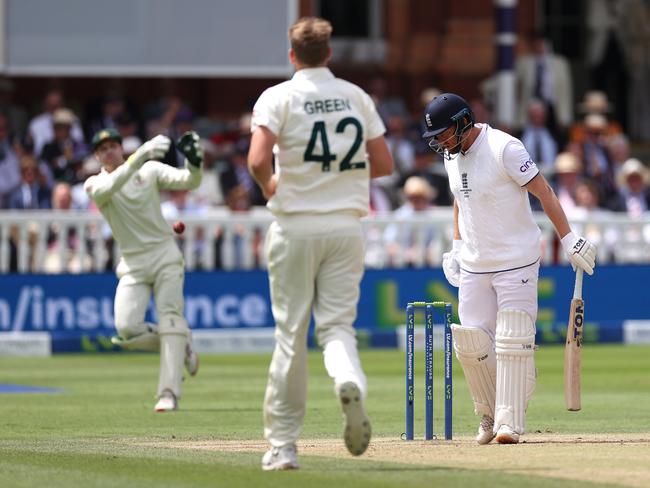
[357,426]
[166,402]
[505,435]
[280,458]
[191,360]
[485,430]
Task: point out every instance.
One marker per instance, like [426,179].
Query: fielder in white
[495,260]
[127,195]
[328,142]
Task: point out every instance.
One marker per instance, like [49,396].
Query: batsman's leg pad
[516,376]
[475,352]
[174,333]
[141,337]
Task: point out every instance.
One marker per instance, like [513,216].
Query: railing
[31,242]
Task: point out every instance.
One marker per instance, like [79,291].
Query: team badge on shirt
[465,190]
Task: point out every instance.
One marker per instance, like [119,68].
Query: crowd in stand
[44,160]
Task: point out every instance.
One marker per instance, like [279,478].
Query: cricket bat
[572,350]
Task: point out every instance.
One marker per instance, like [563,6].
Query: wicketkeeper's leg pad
[516,374]
[475,352]
[174,333]
[140,337]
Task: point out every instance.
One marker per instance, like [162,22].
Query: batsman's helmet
[444,111]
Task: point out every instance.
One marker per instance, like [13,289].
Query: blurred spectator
[234,172]
[567,169]
[405,243]
[127,126]
[605,51]
[63,154]
[594,102]
[33,192]
[544,75]
[619,152]
[15,114]
[63,253]
[429,166]
[596,161]
[41,128]
[9,165]
[634,189]
[537,139]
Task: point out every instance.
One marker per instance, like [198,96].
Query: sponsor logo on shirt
[465,185]
[528,164]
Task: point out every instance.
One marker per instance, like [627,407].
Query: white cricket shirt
[495,219]
[129,200]
[322,124]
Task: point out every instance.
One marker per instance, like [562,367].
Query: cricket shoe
[191,360]
[280,458]
[505,435]
[357,426]
[485,430]
[166,402]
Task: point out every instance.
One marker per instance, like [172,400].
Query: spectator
[594,102]
[405,243]
[113,107]
[634,189]
[619,152]
[537,139]
[544,75]
[235,173]
[596,161]
[64,154]
[63,253]
[33,192]
[41,129]
[567,175]
[9,165]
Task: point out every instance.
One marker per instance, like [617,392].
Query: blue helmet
[441,113]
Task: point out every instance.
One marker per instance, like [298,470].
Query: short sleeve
[375,126]
[518,163]
[267,111]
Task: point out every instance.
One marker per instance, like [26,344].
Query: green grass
[101,430]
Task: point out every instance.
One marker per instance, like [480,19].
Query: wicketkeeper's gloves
[189,145]
[153,149]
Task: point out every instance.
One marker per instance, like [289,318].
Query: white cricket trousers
[315,264]
[160,271]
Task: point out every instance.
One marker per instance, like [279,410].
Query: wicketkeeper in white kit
[328,142]
[495,260]
[127,195]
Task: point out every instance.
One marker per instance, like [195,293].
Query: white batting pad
[476,354]
[515,347]
[174,333]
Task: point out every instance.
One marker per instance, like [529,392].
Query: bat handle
[577,288]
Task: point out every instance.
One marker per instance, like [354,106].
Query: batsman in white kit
[328,142]
[494,260]
[127,195]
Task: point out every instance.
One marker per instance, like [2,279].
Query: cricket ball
[179,227]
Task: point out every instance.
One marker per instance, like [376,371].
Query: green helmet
[105,135]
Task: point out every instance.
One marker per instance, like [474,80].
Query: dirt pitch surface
[617,459]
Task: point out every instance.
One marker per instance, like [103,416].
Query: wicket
[428,358]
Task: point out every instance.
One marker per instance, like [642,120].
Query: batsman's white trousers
[315,263]
[481,296]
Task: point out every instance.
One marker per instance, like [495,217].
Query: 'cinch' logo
[528,164]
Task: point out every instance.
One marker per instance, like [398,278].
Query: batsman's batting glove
[450,264]
[189,145]
[153,149]
[581,252]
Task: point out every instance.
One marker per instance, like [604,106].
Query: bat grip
[577,288]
